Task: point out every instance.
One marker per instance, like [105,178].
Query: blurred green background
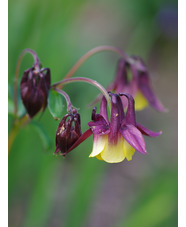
[45,190]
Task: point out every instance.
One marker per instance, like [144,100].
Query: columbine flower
[117,140]
[35,85]
[139,86]
[68,132]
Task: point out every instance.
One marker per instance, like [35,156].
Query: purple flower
[139,85]
[68,132]
[35,85]
[118,139]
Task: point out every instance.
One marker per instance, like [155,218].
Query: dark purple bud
[68,132]
[35,85]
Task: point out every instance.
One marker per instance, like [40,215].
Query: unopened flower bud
[35,85]
[68,132]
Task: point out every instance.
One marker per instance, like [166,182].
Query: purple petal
[103,109]
[145,87]
[83,137]
[121,74]
[134,137]
[130,88]
[130,115]
[117,114]
[147,132]
[99,126]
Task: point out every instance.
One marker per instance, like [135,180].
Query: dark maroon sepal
[82,138]
[68,132]
[34,90]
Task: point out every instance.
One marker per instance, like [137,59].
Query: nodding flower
[35,85]
[137,84]
[68,132]
[117,139]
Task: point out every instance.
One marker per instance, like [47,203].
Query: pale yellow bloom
[110,152]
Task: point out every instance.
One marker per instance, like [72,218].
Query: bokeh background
[45,190]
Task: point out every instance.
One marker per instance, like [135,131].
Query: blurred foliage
[55,104]
[45,190]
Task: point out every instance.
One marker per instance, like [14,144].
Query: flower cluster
[114,138]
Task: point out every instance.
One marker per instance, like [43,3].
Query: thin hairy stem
[86,80]
[67,98]
[91,53]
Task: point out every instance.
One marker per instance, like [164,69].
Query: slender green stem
[86,80]
[67,98]
[90,53]
[36,62]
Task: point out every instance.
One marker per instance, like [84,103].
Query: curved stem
[90,53]
[67,98]
[86,80]
[36,62]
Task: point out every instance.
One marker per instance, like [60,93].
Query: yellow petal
[99,157]
[128,150]
[99,143]
[114,153]
[140,101]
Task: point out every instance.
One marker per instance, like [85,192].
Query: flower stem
[67,98]
[36,62]
[90,53]
[86,80]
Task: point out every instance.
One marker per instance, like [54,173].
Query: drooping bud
[35,85]
[68,132]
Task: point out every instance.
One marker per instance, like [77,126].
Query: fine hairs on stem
[67,98]
[86,80]
[91,53]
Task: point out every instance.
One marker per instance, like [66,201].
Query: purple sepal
[103,109]
[130,115]
[145,87]
[99,125]
[147,132]
[134,137]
